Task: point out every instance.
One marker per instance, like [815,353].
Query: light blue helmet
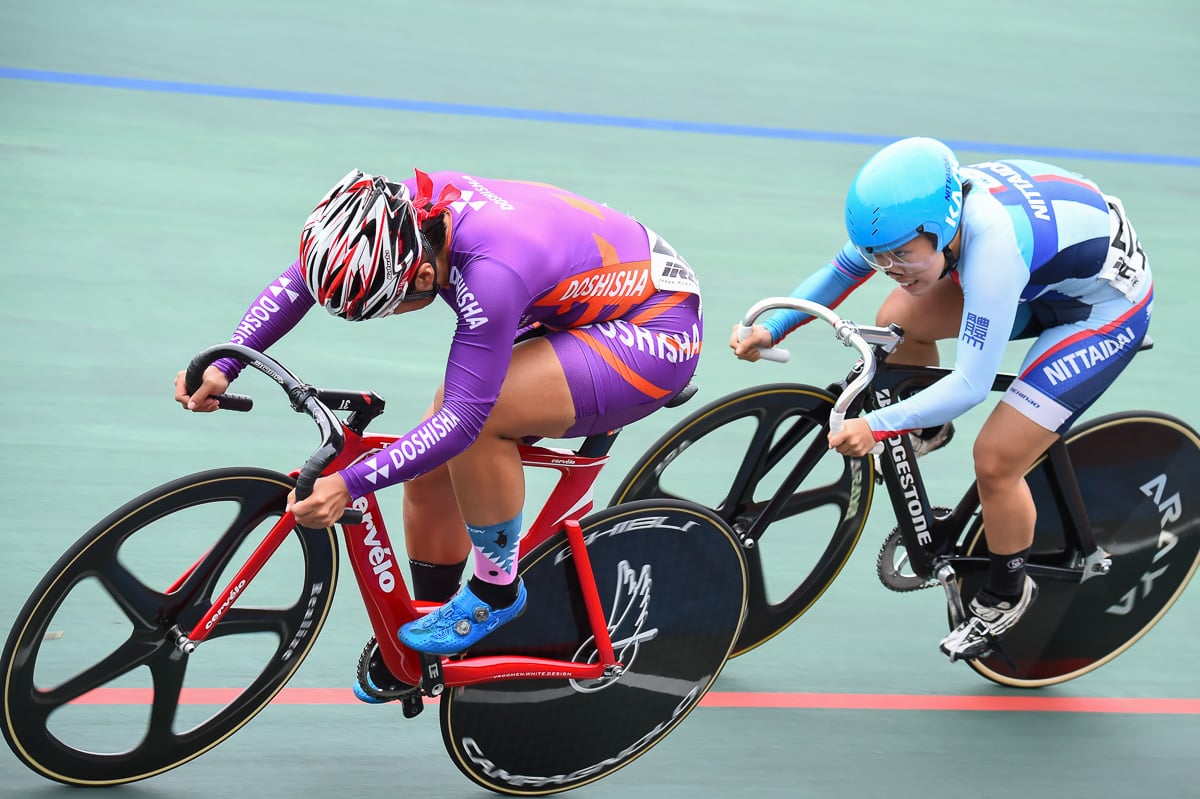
[910,187]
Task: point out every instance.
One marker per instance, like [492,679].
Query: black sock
[498,596]
[1006,575]
[433,582]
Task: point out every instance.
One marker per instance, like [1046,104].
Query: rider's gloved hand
[747,349]
[214,383]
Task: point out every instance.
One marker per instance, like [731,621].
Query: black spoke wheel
[95,690]
[673,586]
[765,450]
[1139,474]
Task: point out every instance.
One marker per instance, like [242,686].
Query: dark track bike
[633,611]
[1118,497]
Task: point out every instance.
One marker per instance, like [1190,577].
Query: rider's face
[915,265]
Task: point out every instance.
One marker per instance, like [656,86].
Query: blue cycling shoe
[459,624]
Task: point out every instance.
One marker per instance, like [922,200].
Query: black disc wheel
[96,692]
[759,458]
[673,585]
[1139,474]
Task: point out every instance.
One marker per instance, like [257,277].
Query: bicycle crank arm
[945,575]
[433,679]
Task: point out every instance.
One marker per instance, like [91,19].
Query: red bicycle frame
[385,594]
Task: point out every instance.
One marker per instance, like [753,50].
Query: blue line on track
[566,117]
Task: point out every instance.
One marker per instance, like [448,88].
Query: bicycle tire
[789,421]
[673,584]
[1135,471]
[28,708]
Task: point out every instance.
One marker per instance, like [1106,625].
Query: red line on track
[729,699]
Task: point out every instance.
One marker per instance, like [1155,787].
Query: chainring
[892,562]
[374,678]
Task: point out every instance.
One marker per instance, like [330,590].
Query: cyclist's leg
[1067,369]
[487,486]
[489,479]
[1007,446]
[488,475]
[586,380]
[435,535]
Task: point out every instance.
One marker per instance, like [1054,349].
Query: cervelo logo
[484,191]
[233,594]
[378,555]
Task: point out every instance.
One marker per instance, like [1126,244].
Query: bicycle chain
[376,681]
[890,573]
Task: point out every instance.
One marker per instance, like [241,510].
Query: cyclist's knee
[889,312]
[996,466]
[926,319]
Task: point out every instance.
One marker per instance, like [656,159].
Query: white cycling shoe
[987,622]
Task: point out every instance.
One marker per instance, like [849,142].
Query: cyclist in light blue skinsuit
[985,254]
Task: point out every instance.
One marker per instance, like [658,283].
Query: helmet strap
[426,251]
[951,258]
[951,262]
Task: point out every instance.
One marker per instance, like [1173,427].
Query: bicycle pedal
[432,677]
[412,704]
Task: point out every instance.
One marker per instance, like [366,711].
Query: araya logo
[465,200]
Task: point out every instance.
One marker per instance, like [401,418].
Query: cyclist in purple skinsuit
[619,315]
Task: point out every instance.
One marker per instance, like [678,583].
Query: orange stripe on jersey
[614,287]
[620,367]
[582,205]
[660,308]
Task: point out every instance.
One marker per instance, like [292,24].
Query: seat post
[597,445]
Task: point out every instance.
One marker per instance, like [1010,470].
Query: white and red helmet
[361,247]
